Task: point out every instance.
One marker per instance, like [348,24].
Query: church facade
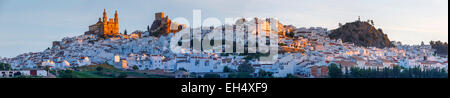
[104,27]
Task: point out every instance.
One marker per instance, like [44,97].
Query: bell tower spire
[104,16]
[116,18]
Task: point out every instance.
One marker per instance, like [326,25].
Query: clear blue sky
[31,25]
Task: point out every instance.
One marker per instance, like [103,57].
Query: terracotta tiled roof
[357,58]
[346,63]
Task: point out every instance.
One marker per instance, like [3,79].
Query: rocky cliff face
[159,27]
[361,34]
[162,25]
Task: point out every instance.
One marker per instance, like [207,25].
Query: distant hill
[440,47]
[361,34]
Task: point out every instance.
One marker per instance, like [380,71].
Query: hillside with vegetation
[361,33]
[440,47]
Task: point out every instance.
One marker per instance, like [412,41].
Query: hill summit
[361,33]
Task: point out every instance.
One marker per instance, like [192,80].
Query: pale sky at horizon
[32,25]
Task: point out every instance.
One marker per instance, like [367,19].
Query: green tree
[346,73]
[246,67]
[66,74]
[182,69]
[135,68]
[334,71]
[227,69]
[240,75]
[396,71]
[47,68]
[99,68]
[211,75]
[355,72]
[290,76]
[264,74]
[4,66]
[122,75]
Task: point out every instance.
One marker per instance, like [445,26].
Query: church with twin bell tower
[104,27]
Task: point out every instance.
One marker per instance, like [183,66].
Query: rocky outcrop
[162,25]
[361,34]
